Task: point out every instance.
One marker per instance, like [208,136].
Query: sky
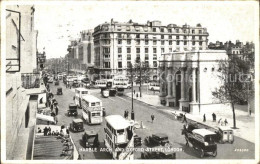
[58,23]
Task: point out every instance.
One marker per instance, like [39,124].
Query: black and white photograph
[142,81]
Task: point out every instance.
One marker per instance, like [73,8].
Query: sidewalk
[245,123]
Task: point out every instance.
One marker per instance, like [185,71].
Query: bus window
[92,104]
[95,114]
[84,92]
[120,131]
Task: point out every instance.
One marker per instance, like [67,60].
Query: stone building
[188,78]
[23,89]
[117,45]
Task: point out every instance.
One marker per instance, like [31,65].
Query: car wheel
[214,154]
[202,153]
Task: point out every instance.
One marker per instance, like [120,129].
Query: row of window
[146,36]
[129,41]
[107,64]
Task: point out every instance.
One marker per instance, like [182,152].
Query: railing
[30,80]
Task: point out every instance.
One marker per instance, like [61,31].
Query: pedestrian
[127,114]
[56,110]
[134,91]
[225,122]
[184,118]
[219,121]
[214,117]
[45,131]
[204,118]
[152,117]
[184,131]
[67,130]
[136,94]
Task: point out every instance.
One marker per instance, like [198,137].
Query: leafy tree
[235,74]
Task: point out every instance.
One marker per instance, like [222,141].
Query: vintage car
[157,139]
[75,83]
[56,82]
[105,93]
[72,111]
[77,125]
[137,140]
[204,141]
[225,134]
[160,153]
[59,91]
[90,139]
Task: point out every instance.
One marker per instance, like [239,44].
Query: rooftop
[117,122]
[203,132]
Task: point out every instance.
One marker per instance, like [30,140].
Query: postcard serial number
[241,150]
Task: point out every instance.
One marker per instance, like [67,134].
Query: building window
[178,43]
[200,43]
[162,42]
[177,30]
[127,28]
[154,63]
[162,50]
[200,32]
[193,43]
[185,42]
[154,56]
[154,42]
[162,36]
[119,35]
[128,41]
[170,49]
[128,64]
[146,42]
[119,64]
[106,50]
[177,37]
[119,50]
[146,36]
[119,41]
[137,42]
[146,57]
[146,50]
[154,50]
[138,36]
[170,37]
[137,57]
[200,37]
[119,56]
[169,30]
[147,63]
[128,56]
[154,29]
[106,56]
[184,37]
[162,29]
[193,37]
[170,42]
[137,50]
[106,64]
[128,50]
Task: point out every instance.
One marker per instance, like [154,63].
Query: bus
[92,109]
[119,137]
[79,93]
[154,86]
[100,83]
[120,81]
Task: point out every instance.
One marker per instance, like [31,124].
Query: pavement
[245,124]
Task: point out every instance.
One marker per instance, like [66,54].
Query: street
[163,123]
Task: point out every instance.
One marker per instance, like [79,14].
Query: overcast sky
[57,24]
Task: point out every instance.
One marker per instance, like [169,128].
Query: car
[204,141]
[90,139]
[59,91]
[56,82]
[137,140]
[72,111]
[157,139]
[77,125]
[160,153]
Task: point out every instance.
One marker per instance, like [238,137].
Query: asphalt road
[163,123]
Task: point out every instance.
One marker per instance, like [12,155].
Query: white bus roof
[117,122]
[224,128]
[81,89]
[203,132]
[91,98]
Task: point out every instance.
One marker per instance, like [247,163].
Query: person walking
[152,117]
[214,117]
[184,118]
[225,122]
[134,91]
[204,118]
[56,109]
[125,114]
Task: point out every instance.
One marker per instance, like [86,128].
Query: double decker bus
[120,82]
[119,137]
[92,109]
[79,93]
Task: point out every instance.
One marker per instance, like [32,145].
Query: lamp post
[140,79]
[132,111]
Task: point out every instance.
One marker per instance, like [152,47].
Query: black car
[90,139]
[137,140]
[160,153]
[157,139]
[59,91]
[72,111]
[77,125]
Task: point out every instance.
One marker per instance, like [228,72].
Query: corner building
[117,45]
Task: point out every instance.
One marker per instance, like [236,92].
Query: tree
[235,74]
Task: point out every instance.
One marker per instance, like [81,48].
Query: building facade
[185,77]
[81,53]
[118,45]
[22,82]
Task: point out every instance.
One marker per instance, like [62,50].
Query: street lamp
[132,111]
